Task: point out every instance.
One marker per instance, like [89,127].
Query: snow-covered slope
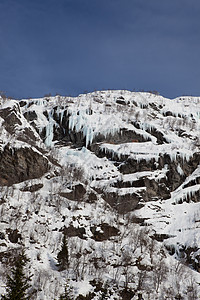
[117,172]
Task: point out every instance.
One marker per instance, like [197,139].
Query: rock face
[104,232]
[11,116]
[122,203]
[96,167]
[65,123]
[17,165]
[65,131]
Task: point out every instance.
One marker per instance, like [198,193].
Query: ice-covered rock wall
[90,167]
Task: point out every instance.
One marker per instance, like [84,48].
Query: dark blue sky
[69,46]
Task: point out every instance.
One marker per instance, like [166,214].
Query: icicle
[61,116]
[49,130]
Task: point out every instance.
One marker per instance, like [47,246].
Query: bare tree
[159,273]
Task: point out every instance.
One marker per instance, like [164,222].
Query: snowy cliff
[118,173]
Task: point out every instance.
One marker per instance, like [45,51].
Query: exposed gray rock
[105,232]
[30,115]
[74,231]
[122,203]
[17,165]
[32,188]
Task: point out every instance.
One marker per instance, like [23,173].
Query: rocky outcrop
[103,232]
[19,164]
[74,231]
[32,188]
[122,203]
[153,189]
[11,116]
[79,193]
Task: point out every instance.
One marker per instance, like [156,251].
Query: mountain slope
[118,173]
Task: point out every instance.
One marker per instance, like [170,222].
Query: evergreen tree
[63,255]
[17,282]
